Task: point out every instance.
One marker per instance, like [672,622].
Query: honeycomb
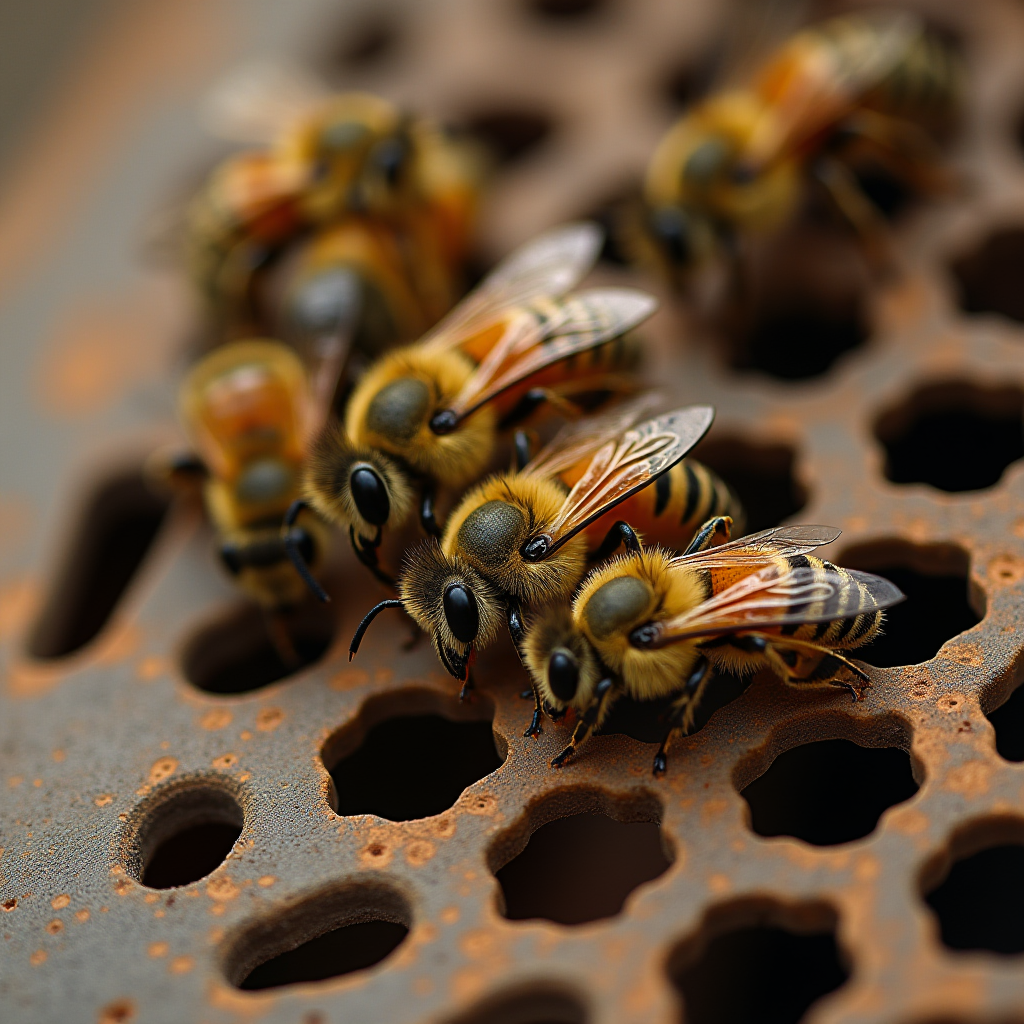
[189,833]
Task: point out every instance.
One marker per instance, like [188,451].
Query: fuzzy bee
[651,624]
[521,540]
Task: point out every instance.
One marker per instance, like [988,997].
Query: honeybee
[864,92]
[429,414]
[521,539]
[249,408]
[382,203]
[650,624]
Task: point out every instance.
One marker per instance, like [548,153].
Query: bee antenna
[391,602]
[291,540]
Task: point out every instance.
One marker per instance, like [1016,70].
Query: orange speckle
[970,778]
[349,679]
[222,889]
[215,935]
[37,783]
[867,868]
[159,949]
[419,852]
[159,912]
[269,719]
[445,827]
[450,915]
[181,965]
[117,1013]
[15,780]
[1005,569]
[483,803]
[266,881]
[245,735]
[61,901]
[162,768]
[949,702]
[37,958]
[121,886]
[719,884]
[225,761]
[217,909]
[81,916]
[151,667]
[58,755]
[376,854]
[55,927]
[103,800]
[214,719]
[151,897]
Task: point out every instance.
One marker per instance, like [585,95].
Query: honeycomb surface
[333,809]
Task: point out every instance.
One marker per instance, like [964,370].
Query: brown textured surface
[91,743]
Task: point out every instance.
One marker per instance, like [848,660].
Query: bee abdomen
[835,628]
[692,494]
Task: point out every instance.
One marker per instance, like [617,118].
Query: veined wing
[548,334]
[546,266]
[774,597]
[820,76]
[760,547]
[624,466]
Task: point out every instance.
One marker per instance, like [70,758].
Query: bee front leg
[604,694]
[620,533]
[714,531]
[684,709]
[368,555]
[533,730]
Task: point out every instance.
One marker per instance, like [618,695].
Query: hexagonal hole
[953,435]
[976,889]
[182,835]
[509,134]
[241,651]
[828,792]
[579,865]
[337,933]
[114,531]
[938,607]
[758,963]
[411,755]
[536,1003]
[1008,722]
[988,277]
[761,474]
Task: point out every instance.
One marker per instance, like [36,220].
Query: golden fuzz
[454,459]
[555,629]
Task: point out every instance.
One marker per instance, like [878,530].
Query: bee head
[683,237]
[452,602]
[363,489]
[560,659]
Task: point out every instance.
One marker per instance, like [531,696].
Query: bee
[428,415]
[381,207]
[521,539]
[651,623]
[249,409]
[864,92]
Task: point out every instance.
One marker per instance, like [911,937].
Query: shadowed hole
[510,135]
[581,868]
[828,792]
[762,476]
[1008,722]
[763,973]
[954,435]
[539,1004]
[989,277]
[116,529]
[980,902]
[411,766]
[237,654]
[336,933]
[184,837]
[937,608]
[556,11]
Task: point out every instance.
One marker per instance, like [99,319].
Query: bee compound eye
[563,675]
[370,495]
[461,612]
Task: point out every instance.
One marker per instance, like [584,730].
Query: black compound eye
[231,558]
[563,675]
[461,612]
[370,495]
[390,157]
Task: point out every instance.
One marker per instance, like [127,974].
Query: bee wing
[810,85]
[259,101]
[546,266]
[773,597]
[761,547]
[582,322]
[623,466]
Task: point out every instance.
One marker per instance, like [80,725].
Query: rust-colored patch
[719,883]
[117,1012]
[61,901]
[1005,570]
[376,854]
[450,915]
[966,653]
[222,889]
[349,679]
[969,779]
[18,603]
[228,760]
[419,852]
[713,809]
[214,719]
[38,958]
[83,915]
[483,803]
[158,949]
[163,767]
[866,868]
[103,799]
[950,702]
[151,667]
[479,943]
[909,821]
[444,827]
[266,881]
[122,886]
[58,755]
[55,927]
[181,965]
[268,719]
[920,689]
[8,905]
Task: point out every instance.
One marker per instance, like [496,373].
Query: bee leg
[533,730]
[516,629]
[830,662]
[684,709]
[620,533]
[532,400]
[368,556]
[717,530]
[589,720]
[428,520]
[555,714]
[292,538]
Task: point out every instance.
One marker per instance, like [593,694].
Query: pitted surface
[95,742]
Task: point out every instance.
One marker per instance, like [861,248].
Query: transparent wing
[759,547]
[546,266]
[821,74]
[622,467]
[561,330]
[774,596]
